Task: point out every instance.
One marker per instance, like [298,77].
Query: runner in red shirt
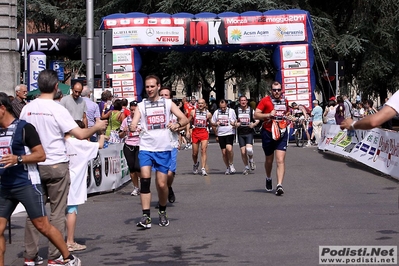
[273,107]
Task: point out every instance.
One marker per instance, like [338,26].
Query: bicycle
[298,127]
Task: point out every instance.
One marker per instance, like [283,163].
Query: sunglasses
[276,90]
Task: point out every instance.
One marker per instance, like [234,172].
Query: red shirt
[188,107]
[266,106]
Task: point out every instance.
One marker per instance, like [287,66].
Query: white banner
[376,148]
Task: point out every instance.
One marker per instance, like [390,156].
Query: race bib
[223,119]
[200,120]
[244,119]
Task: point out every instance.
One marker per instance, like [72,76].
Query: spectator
[58,96]
[93,111]
[339,110]
[21,92]
[51,122]
[388,111]
[79,153]
[348,106]
[125,109]
[106,103]
[75,104]
[115,117]
[317,122]
[329,113]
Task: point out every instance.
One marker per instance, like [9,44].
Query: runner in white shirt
[223,121]
[155,146]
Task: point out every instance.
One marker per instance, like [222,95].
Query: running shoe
[279,190]
[246,171]
[135,192]
[163,219]
[75,247]
[36,261]
[195,168]
[252,165]
[269,185]
[232,169]
[227,171]
[203,172]
[61,262]
[171,195]
[145,222]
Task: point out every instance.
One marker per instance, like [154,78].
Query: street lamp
[25,47]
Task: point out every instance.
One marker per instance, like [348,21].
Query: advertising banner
[36,63]
[376,148]
[207,29]
[108,170]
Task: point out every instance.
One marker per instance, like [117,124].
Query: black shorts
[30,196]
[225,140]
[243,140]
[132,157]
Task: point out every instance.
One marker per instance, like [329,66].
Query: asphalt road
[232,220]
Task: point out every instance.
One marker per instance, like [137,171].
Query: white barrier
[108,171]
[376,148]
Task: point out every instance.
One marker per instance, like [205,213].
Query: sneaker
[135,192]
[246,171]
[252,165]
[61,262]
[171,195]
[203,172]
[36,261]
[279,190]
[145,222]
[269,185]
[195,168]
[75,247]
[163,219]
[227,171]
[232,169]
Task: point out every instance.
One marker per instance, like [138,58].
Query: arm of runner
[181,118]
[135,121]
[261,116]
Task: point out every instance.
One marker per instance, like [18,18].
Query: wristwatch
[19,159]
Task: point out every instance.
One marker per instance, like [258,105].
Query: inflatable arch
[287,32]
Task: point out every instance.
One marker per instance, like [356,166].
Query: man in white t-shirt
[51,121]
[223,121]
[389,111]
[156,144]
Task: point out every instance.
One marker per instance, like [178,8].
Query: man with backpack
[245,130]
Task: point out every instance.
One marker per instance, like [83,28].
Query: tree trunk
[219,82]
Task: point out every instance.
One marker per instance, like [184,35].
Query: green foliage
[363,33]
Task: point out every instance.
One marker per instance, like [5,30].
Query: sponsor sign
[36,63]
